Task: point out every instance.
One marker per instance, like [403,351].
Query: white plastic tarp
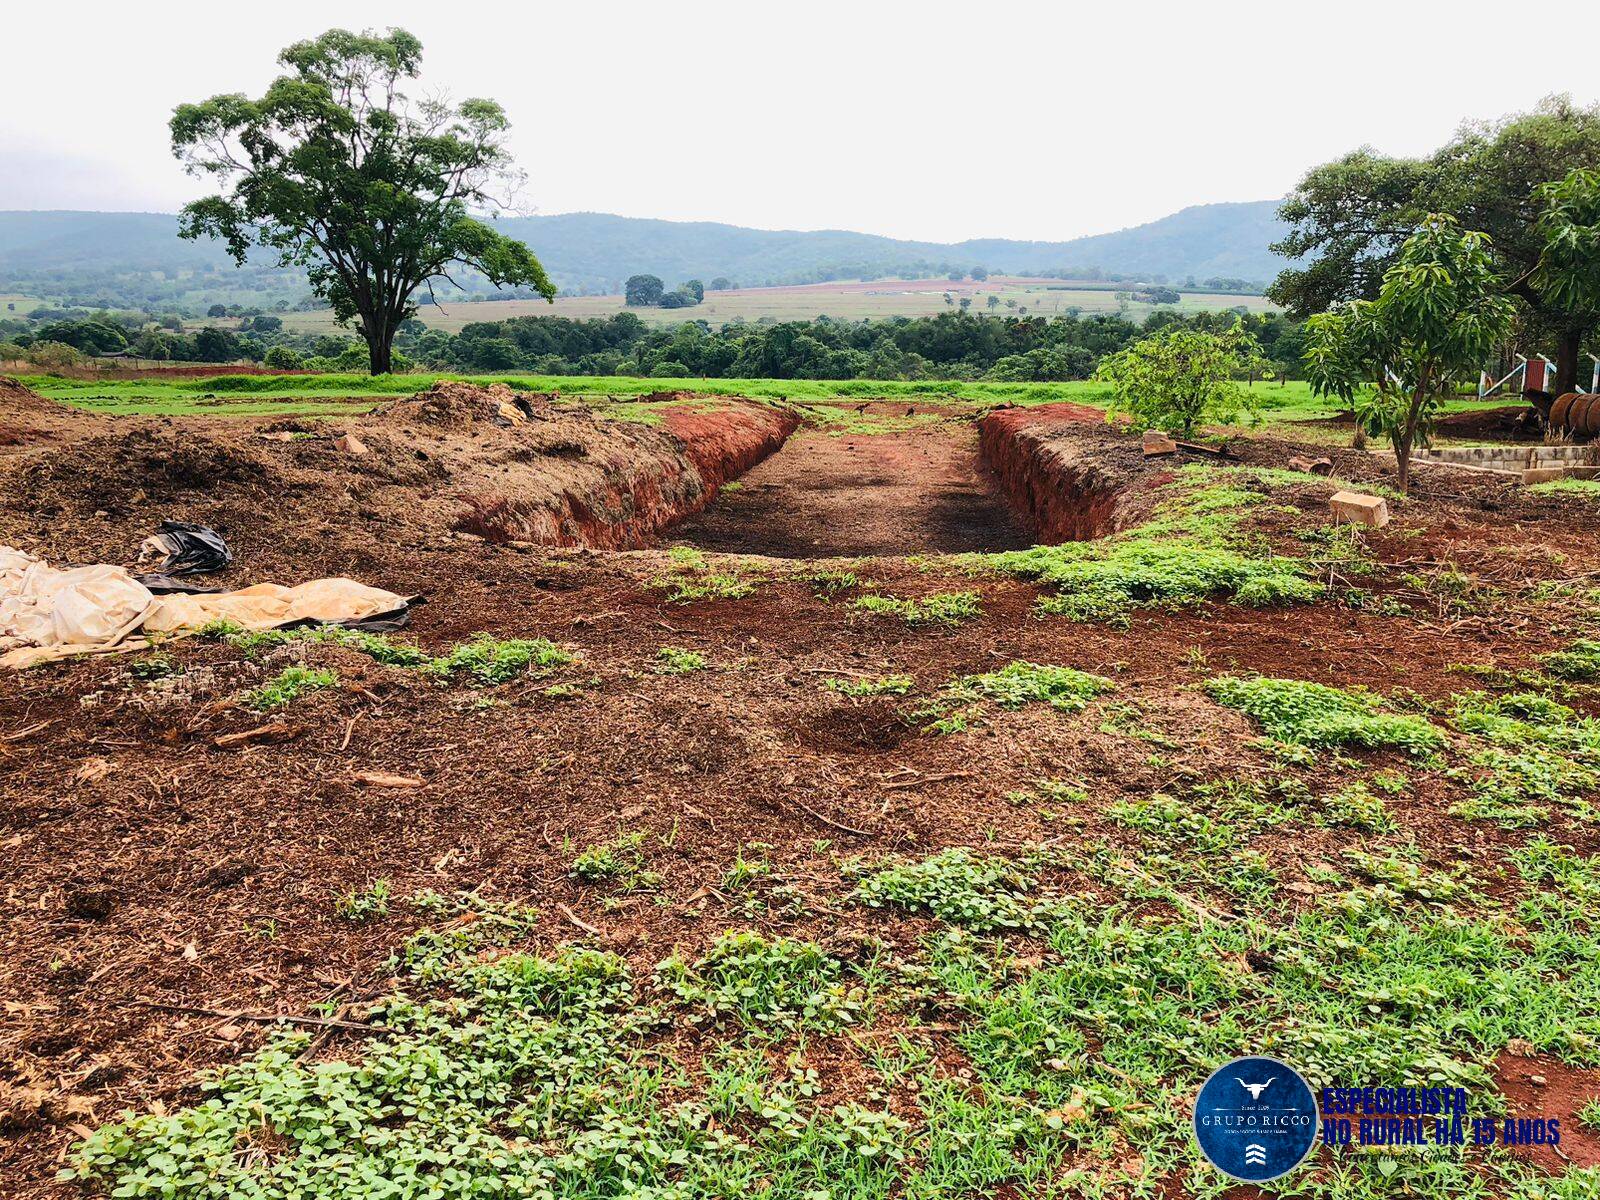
[48,612]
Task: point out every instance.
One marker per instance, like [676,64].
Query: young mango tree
[1440,311]
[336,170]
[1180,376]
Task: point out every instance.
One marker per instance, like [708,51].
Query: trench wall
[634,480]
[1048,477]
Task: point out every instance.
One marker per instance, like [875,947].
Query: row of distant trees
[953,345]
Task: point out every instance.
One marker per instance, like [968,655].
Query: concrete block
[1157,443]
[1356,508]
[1544,474]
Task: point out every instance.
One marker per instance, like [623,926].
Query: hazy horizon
[919,123]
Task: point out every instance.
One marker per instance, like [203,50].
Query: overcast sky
[919,120]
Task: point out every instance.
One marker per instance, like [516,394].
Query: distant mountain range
[137,258]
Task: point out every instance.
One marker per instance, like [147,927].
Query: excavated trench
[1017,478]
[724,475]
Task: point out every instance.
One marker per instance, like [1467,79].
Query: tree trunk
[1407,437]
[1402,460]
[1568,347]
[380,340]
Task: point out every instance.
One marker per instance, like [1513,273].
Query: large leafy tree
[1441,307]
[337,170]
[1348,219]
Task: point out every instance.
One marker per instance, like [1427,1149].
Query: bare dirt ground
[840,495]
[164,898]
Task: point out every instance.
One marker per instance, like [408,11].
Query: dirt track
[836,495]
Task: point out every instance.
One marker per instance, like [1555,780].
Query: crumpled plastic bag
[184,549]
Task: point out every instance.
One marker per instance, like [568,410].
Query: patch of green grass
[620,861]
[764,984]
[674,660]
[960,886]
[1317,716]
[1400,869]
[375,646]
[1589,1115]
[287,686]
[468,927]
[490,660]
[691,578]
[1020,683]
[1529,753]
[1357,808]
[1191,847]
[744,871]
[832,583]
[887,685]
[1589,488]
[486,659]
[710,586]
[492,1072]
[941,608]
[360,906]
[1578,663]
[1195,547]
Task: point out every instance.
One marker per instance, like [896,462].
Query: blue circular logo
[1255,1119]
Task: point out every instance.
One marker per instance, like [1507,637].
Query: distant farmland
[852,301]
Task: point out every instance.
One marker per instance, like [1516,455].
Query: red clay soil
[488,462]
[152,881]
[1071,487]
[829,495]
[1538,1086]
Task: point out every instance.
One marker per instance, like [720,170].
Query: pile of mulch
[297,495]
[454,404]
[27,417]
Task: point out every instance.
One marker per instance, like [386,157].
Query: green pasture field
[14,305]
[1280,405]
[851,301]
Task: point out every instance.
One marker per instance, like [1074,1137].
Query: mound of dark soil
[26,416]
[455,404]
[488,461]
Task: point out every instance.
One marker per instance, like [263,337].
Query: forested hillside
[136,260]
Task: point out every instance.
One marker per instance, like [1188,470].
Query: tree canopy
[337,171]
[1350,218]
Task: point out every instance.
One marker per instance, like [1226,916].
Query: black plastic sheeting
[190,549]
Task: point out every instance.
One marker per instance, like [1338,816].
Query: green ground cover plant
[887,685]
[675,660]
[1318,716]
[1086,1026]
[941,608]
[287,686]
[1196,546]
